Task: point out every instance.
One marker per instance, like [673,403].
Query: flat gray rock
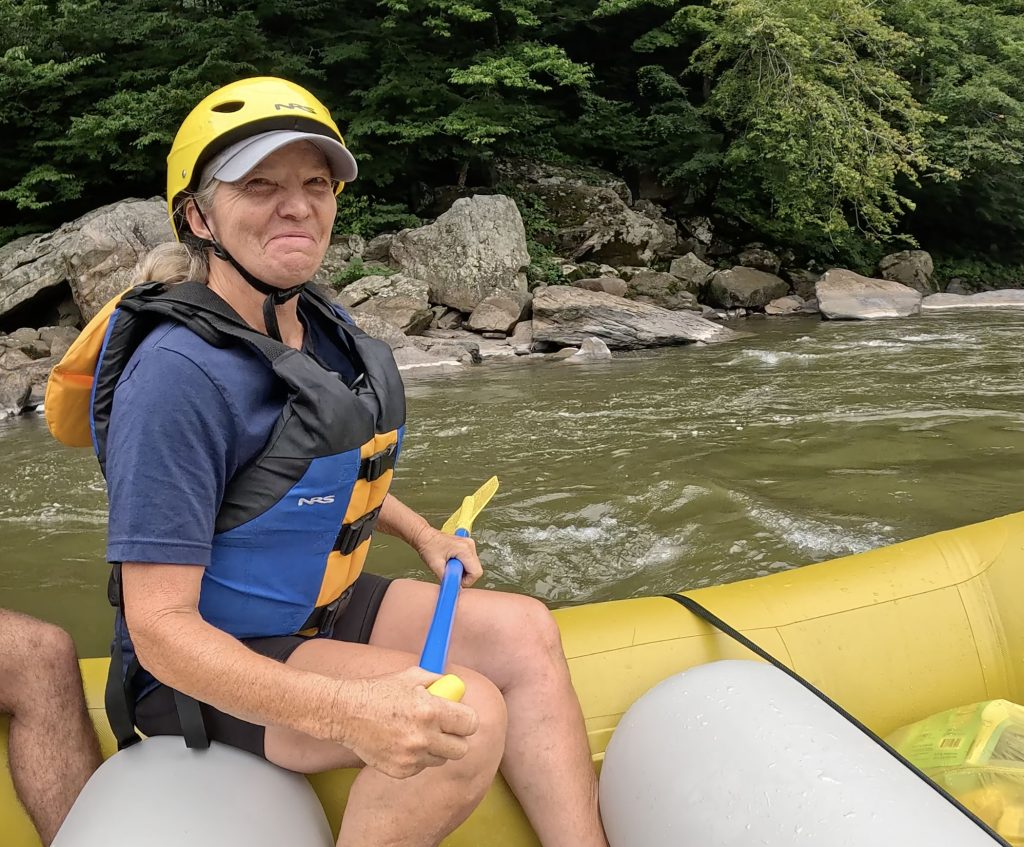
[845,295]
[569,316]
[1005,298]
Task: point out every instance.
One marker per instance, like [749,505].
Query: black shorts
[155,713]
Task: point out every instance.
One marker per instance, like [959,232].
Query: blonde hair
[174,261]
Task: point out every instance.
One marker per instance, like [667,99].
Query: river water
[658,470]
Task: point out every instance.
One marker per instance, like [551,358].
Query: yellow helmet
[235,112]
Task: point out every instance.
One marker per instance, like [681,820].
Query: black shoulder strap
[715,621]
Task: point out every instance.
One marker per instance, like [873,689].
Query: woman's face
[276,220]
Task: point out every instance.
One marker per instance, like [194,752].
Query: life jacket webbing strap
[715,621]
[355,533]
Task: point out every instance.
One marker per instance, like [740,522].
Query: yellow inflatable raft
[893,635]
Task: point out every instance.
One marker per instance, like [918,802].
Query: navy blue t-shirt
[186,417]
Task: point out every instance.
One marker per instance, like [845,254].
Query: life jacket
[325,470]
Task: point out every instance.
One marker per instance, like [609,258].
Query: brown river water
[659,470]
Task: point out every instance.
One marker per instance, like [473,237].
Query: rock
[537,172]
[661,289]
[378,248]
[462,351]
[711,314]
[607,284]
[51,334]
[567,316]
[476,248]
[745,287]
[499,312]
[348,247]
[36,395]
[845,295]
[803,281]
[790,305]
[521,340]
[701,231]
[956,286]
[377,327]
[393,285]
[693,273]
[96,254]
[411,358]
[22,336]
[564,353]
[410,314]
[1004,298]
[627,272]
[596,224]
[15,389]
[68,313]
[760,258]
[591,350]
[336,260]
[14,359]
[451,319]
[810,307]
[912,268]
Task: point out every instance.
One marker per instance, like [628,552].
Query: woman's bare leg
[514,641]
[382,811]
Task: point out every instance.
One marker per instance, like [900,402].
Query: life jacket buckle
[374,467]
[355,533]
[324,618]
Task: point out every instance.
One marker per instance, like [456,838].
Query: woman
[240,423]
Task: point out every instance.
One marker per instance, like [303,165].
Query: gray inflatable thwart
[161,794]
[737,754]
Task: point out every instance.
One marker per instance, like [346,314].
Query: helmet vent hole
[229,106]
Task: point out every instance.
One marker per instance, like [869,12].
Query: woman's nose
[293,203]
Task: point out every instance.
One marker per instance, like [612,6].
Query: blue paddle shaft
[435,649]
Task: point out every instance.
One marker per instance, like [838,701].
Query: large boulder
[760,258]
[568,316]
[803,281]
[1006,298]
[595,224]
[476,248]
[381,328]
[791,305]
[592,350]
[381,285]
[912,268]
[409,314]
[693,273]
[745,288]
[845,295]
[536,172]
[95,254]
[499,312]
[607,284]
[662,289]
[15,389]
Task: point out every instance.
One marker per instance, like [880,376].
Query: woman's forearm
[399,520]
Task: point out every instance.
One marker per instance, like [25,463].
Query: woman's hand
[436,548]
[399,728]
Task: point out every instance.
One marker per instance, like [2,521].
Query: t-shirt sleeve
[169,456]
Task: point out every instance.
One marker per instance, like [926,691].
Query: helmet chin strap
[275,296]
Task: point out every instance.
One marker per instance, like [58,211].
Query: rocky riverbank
[456,291]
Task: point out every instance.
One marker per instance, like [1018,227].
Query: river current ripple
[659,470]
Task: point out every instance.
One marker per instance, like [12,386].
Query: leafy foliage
[836,127]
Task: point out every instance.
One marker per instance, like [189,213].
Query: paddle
[435,648]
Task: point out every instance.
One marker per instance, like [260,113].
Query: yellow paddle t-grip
[448,686]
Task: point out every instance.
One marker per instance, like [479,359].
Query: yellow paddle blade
[471,507]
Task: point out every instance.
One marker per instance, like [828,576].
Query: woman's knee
[487,744]
[531,627]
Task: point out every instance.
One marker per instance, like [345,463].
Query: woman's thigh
[495,633]
[303,753]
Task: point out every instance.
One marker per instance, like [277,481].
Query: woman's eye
[319,183]
[259,185]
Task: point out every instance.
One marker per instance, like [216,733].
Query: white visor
[234,162]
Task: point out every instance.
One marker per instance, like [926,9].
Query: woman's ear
[195,220]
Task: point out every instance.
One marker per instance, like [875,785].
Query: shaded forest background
[839,129]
